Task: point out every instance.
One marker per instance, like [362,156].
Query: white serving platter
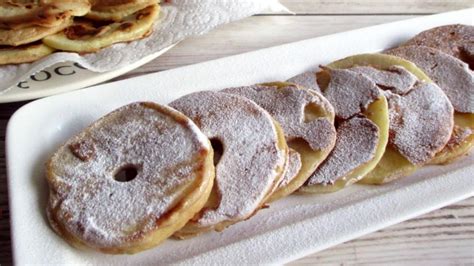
[66,76]
[291,228]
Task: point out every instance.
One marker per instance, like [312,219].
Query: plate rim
[98,78]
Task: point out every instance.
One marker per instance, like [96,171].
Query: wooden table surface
[445,236]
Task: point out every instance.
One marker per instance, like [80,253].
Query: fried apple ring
[456,80]
[421,115]
[85,36]
[307,119]
[23,54]
[362,130]
[251,152]
[130,180]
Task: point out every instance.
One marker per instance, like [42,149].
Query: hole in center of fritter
[126,173]
[218,149]
[313,111]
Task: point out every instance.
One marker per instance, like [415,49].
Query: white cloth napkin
[178,20]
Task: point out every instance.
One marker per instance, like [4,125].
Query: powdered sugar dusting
[421,115]
[451,74]
[357,137]
[456,40]
[103,212]
[355,145]
[307,80]
[396,79]
[349,92]
[287,105]
[292,168]
[421,122]
[246,172]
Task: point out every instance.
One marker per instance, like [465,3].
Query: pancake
[456,40]
[362,130]
[23,54]
[85,36]
[130,180]
[307,119]
[251,154]
[456,79]
[119,5]
[421,115]
[117,10]
[30,34]
[44,13]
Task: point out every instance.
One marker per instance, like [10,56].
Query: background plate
[67,76]
[291,228]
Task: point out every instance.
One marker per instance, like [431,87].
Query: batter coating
[85,36]
[16,15]
[130,180]
[116,10]
[30,34]
[252,159]
[23,54]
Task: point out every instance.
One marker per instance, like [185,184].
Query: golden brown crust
[45,13]
[52,22]
[88,36]
[116,10]
[30,34]
[118,5]
[23,54]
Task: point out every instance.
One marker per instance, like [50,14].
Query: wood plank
[256,33]
[442,237]
[445,236]
[374,6]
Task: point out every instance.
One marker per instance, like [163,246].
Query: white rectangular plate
[66,76]
[290,228]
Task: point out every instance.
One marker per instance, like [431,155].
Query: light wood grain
[375,6]
[256,33]
[443,237]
